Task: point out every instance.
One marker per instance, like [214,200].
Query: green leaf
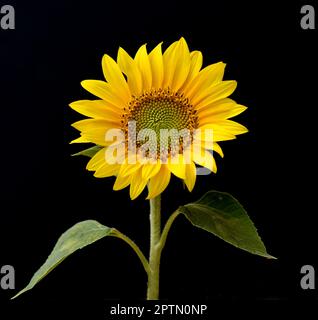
[222,215]
[90,152]
[79,236]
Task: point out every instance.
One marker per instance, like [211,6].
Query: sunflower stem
[155,249]
[166,230]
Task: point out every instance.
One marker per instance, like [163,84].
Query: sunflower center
[162,119]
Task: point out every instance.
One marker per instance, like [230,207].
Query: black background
[272,169]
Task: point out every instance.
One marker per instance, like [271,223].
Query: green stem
[117,234]
[166,229]
[155,250]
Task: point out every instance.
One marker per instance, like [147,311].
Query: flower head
[157,114]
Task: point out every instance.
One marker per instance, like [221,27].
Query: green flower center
[164,119]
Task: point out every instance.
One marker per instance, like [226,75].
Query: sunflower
[157,93]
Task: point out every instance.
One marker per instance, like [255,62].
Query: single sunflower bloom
[160,95]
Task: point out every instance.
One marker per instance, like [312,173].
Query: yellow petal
[217,92]
[190,176]
[206,78]
[87,124]
[102,90]
[121,182]
[159,182]
[128,169]
[137,184]
[182,65]
[207,135]
[106,170]
[177,166]
[115,78]
[80,139]
[217,106]
[142,61]
[95,130]
[101,164]
[169,65]
[149,170]
[129,67]
[228,126]
[156,63]
[214,116]
[96,109]
[97,160]
[209,145]
[218,149]
[205,159]
[195,66]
